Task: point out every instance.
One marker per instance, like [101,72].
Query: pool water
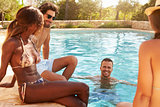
[90,47]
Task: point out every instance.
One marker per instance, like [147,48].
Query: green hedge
[70,26]
[85,25]
[114,25]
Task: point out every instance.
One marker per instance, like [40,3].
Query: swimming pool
[90,47]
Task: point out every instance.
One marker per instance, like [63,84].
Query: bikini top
[26,59]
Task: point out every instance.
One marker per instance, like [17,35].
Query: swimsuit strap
[22,44]
[33,45]
[31,42]
[23,91]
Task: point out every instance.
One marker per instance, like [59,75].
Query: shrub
[5,26]
[69,26]
[85,25]
[53,26]
[114,25]
[109,25]
[126,26]
[61,25]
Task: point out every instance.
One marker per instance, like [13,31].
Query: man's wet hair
[107,60]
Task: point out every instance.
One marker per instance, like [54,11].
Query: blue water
[90,47]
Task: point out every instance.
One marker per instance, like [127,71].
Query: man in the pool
[47,68]
[105,79]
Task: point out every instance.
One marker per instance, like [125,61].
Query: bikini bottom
[22,88]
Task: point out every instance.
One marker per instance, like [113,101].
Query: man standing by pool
[48,67]
[105,78]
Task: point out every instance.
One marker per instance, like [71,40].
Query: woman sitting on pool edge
[20,52]
[148,87]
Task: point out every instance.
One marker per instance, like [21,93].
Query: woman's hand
[7,85]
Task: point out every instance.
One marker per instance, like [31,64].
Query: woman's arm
[145,79]
[7,52]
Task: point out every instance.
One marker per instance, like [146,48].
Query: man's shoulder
[112,78]
[47,30]
[97,76]
[43,34]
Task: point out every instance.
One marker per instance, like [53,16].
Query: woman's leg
[70,62]
[58,91]
[51,76]
[71,101]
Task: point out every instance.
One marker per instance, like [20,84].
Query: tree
[152,2]
[100,8]
[125,7]
[108,13]
[22,2]
[66,10]
[140,15]
[10,13]
[8,9]
[4,6]
[40,2]
[117,15]
[73,10]
[117,11]
[88,9]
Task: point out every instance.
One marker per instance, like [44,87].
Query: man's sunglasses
[49,16]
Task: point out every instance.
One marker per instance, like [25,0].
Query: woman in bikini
[148,87]
[19,51]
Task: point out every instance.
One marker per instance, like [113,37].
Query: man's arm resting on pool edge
[126,82]
[9,85]
[83,77]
